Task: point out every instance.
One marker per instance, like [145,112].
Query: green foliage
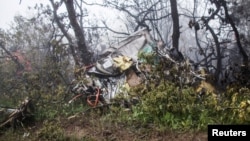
[46,88]
[168,105]
[169,101]
[51,130]
[236,102]
[147,55]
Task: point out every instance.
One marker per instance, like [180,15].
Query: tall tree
[79,50]
[236,32]
[79,32]
[176,29]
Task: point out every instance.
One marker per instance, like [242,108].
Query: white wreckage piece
[123,55]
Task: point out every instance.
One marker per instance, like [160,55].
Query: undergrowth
[164,104]
[171,107]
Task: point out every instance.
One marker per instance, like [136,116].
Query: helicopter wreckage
[121,68]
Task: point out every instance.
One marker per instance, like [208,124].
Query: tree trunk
[64,31]
[237,36]
[79,34]
[176,30]
[217,44]
[218,56]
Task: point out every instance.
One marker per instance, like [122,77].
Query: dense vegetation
[163,106]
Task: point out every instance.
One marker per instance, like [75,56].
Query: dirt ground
[93,129]
[82,129]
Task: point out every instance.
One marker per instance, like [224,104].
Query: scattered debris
[15,116]
[121,68]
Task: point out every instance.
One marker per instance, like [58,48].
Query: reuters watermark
[241,132]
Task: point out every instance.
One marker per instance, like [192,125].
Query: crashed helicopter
[120,68]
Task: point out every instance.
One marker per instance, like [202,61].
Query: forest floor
[119,132]
[90,128]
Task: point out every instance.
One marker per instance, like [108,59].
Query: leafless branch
[106,26]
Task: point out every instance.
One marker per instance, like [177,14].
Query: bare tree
[235,30]
[151,14]
[176,26]
[79,32]
[217,12]
[81,48]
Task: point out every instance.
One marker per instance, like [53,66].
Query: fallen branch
[18,115]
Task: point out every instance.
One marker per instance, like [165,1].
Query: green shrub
[172,107]
[51,130]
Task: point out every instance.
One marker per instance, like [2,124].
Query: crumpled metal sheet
[112,86]
[131,45]
[106,66]
[119,59]
[131,48]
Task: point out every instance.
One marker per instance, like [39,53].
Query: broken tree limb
[19,114]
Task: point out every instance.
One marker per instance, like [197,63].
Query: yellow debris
[123,62]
